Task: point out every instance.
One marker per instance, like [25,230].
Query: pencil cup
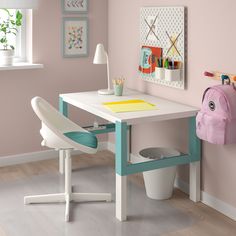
[159,73]
[172,75]
[118,89]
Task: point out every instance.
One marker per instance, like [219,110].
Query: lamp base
[106,92]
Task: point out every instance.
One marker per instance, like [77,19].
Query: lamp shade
[19,4]
[100,56]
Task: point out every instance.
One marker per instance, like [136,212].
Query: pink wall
[211,44]
[19,126]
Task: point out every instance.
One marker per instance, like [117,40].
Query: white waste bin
[159,183]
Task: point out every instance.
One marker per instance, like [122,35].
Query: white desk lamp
[101,57]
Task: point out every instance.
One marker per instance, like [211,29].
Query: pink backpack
[216,121]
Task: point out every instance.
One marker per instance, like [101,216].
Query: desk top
[166,110]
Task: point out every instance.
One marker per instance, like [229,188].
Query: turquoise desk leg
[121,179]
[63,108]
[194,167]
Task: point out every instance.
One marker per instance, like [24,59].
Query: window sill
[22,66]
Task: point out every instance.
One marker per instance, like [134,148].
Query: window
[23,40]
[18,41]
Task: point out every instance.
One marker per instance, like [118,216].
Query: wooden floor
[211,222]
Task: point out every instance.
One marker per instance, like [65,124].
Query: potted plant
[8,27]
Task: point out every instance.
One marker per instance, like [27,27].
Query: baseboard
[38,156]
[209,200]
[183,186]
[219,205]
[111,147]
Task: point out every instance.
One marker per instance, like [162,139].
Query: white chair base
[67,198]
[68,195]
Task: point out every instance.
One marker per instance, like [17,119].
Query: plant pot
[6,57]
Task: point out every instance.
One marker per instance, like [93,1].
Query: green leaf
[19,15]
[18,22]
[12,47]
[3,41]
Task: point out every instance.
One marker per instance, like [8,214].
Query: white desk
[167,110]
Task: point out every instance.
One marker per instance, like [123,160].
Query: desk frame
[124,168]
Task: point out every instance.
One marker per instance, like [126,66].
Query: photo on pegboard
[149,60]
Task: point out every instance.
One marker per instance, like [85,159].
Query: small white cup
[172,75]
[159,73]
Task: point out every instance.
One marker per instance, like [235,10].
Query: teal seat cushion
[83,138]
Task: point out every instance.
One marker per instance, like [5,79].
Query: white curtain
[19,4]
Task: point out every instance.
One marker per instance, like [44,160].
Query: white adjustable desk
[120,124]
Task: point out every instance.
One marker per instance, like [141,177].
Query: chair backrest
[55,125]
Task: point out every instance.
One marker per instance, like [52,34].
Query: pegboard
[160,27]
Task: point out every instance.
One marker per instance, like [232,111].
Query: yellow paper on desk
[129,106]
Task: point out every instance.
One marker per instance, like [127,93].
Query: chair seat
[83,138]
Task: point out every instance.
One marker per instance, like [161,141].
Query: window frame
[23,58]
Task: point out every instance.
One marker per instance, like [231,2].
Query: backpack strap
[234,86]
[223,89]
[204,94]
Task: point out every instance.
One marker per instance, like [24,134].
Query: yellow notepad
[129,106]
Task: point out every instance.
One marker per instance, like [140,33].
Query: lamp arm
[108,73]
